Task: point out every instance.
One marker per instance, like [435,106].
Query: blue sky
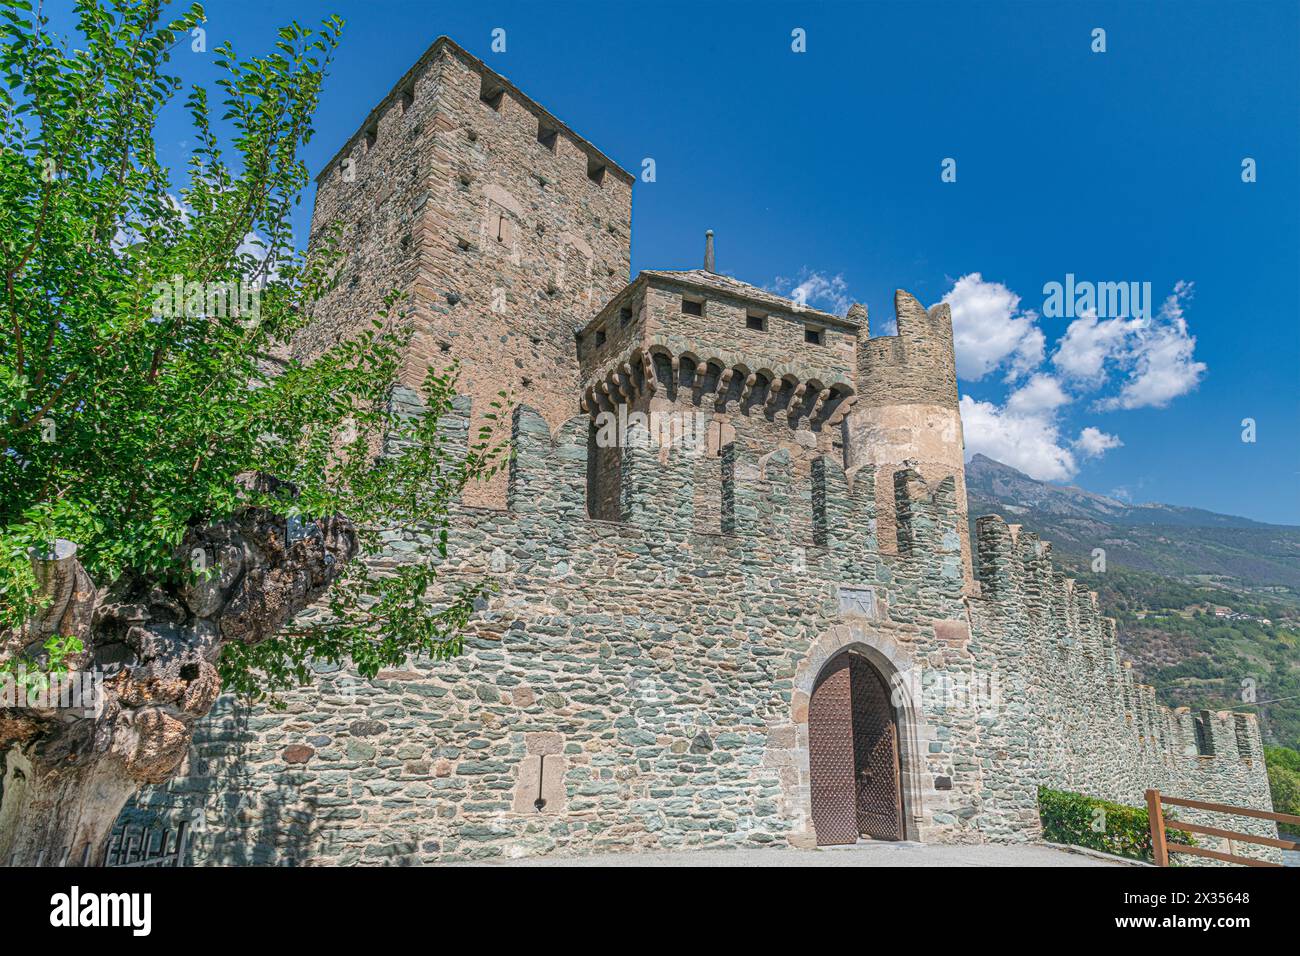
[823,168]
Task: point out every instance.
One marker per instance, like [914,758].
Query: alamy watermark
[234,299]
[1073,299]
[687,430]
[81,691]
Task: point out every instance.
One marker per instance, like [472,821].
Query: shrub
[1073,819]
[1284,784]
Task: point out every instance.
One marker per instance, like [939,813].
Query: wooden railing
[1161,848]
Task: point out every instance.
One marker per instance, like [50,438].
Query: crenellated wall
[1075,718]
[639,684]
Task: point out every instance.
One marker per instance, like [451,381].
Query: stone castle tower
[503,229]
[779,634]
[509,236]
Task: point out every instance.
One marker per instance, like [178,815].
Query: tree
[173,490]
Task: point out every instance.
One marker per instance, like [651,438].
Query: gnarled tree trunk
[66,773]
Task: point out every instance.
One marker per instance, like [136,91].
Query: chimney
[708,251]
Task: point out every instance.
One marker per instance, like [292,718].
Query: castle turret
[906,412]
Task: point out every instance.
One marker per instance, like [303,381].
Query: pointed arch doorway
[853,753]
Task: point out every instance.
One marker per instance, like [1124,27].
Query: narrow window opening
[372,134]
[600,336]
[501,228]
[692,306]
[624,315]
[595,171]
[547,136]
[408,97]
[812,336]
[756,322]
[1204,739]
[491,93]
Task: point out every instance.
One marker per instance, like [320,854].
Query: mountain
[1170,540]
[1203,602]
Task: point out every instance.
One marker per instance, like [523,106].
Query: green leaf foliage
[146,324]
[1078,820]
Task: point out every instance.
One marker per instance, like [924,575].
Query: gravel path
[863,854]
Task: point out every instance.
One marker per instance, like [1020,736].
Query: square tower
[503,229]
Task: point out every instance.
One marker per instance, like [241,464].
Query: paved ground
[863,854]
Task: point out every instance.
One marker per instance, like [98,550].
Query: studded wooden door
[830,755]
[853,755]
[875,755]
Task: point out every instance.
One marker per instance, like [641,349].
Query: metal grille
[148,846]
[853,755]
[830,756]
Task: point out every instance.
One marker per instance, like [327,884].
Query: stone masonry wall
[664,675]
[1074,719]
[637,684]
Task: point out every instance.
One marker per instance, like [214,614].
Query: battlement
[420,79]
[660,474]
[914,366]
[1077,650]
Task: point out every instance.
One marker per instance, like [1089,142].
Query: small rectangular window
[756,322]
[547,136]
[600,336]
[372,134]
[408,97]
[625,315]
[595,170]
[812,336]
[491,93]
[692,306]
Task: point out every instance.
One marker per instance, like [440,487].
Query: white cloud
[1028,442]
[817,289]
[1156,357]
[1088,344]
[1042,393]
[1093,442]
[1160,359]
[1025,433]
[990,331]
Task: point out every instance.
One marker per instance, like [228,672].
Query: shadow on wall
[231,823]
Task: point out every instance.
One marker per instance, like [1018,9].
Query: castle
[781,634]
